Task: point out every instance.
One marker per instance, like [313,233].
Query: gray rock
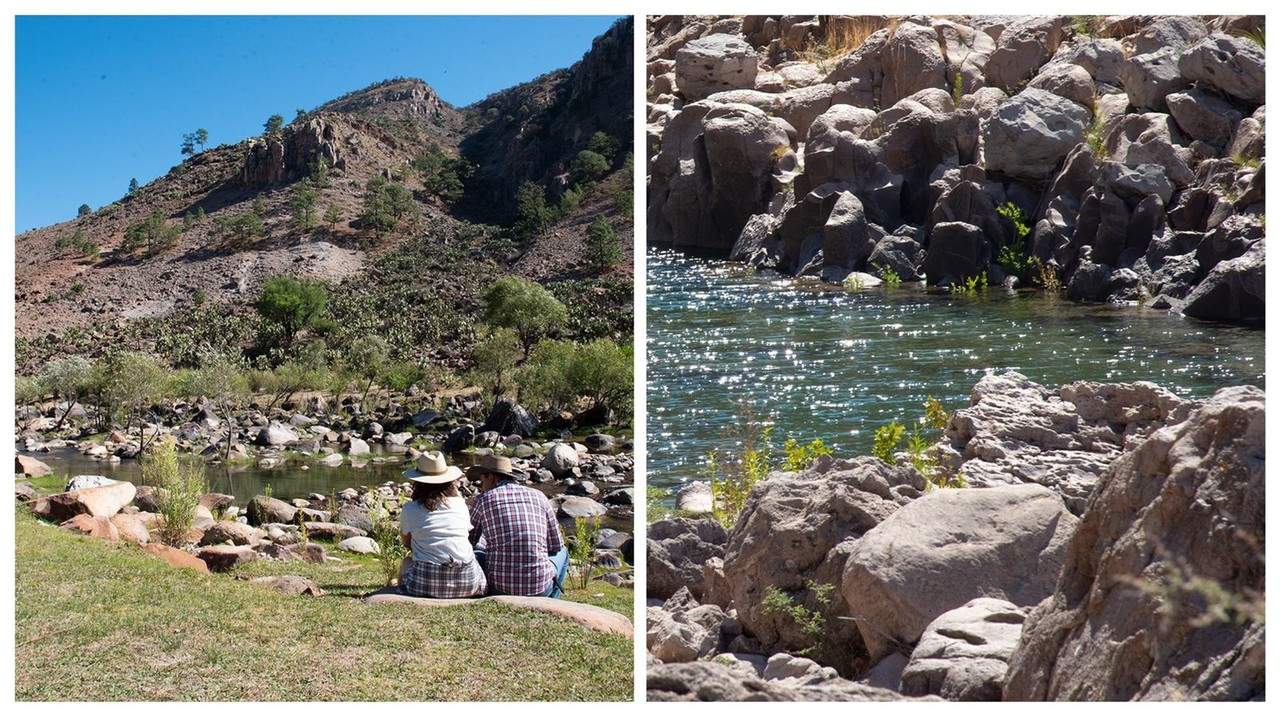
[793,536]
[1203,116]
[677,550]
[1173,32]
[459,439]
[948,547]
[81,482]
[276,434]
[578,507]
[711,681]
[1031,133]
[1184,508]
[714,63]
[1234,290]
[1070,82]
[1234,66]
[957,250]
[1022,47]
[510,418]
[560,459]
[1148,78]
[263,509]
[913,61]
[230,531]
[359,544]
[963,654]
[695,497]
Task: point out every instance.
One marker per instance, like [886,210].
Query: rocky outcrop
[792,540]
[677,551]
[1016,431]
[1115,150]
[717,682]
[1160,596]
[947,548]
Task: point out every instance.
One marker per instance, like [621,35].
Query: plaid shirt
[519,530]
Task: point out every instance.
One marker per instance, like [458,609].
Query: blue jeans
[559,561]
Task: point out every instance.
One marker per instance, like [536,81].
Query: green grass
[99,621]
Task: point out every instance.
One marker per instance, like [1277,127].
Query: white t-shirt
[438,536]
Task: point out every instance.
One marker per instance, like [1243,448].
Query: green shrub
[154,233]
[292,304]
[890,277]
[386,533]
[798,457]
[180,486]
[525,307]
[735,470]
[811,622]
[587,167]
[886,442]
[586,534]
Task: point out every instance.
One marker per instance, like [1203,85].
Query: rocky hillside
[212,230]
[1118,158]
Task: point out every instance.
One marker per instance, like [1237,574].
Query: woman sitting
[434,525]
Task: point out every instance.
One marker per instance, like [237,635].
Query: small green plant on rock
[886,442]
[957,88]
[811,621]
[799,456]
[854,282]
[890,277]
[971,286]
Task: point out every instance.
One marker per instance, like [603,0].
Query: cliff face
[533,131]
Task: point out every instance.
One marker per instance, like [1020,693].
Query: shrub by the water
[586,533]
[181,484]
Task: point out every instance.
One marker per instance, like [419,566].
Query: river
[815,361]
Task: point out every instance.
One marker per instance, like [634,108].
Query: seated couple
[509,543]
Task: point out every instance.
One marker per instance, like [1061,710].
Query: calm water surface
[818,362]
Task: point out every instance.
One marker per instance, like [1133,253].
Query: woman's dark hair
[432,496]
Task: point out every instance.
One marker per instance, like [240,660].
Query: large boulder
[265,509]
[560,459]
[678,549]
[276,434]
[1031,133]
[963,654]
[947,548]
[1234,290]
[958,250]
[1022,47]
[1160,594]
[682,630]
[100,502]
[791,541]
[32,467]
[714,63]
[1148,78]
[913,61]
[229,531]
[509,418]
[222,558]
[1016,431]
[1235,66]
[92,526]
[1203,116]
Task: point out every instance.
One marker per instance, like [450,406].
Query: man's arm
[554,542]
[476,510]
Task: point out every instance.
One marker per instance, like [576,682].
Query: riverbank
[1086,511]
[103,621]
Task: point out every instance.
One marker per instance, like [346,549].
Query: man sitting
[515,532]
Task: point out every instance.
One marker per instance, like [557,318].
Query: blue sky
[102,100]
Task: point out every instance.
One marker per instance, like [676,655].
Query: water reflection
[823,363]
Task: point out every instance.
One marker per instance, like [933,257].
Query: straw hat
[500,465]
[432,469]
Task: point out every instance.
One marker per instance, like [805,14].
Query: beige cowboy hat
[500,465]
[432,469]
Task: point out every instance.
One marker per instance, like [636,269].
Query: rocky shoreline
[1107,547]
[1121,160]
[583,480]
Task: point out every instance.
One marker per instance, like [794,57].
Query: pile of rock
[991,592]
[1135,150]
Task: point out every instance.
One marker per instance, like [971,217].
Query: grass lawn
[100,621]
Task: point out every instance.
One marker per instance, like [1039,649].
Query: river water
[815,361]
